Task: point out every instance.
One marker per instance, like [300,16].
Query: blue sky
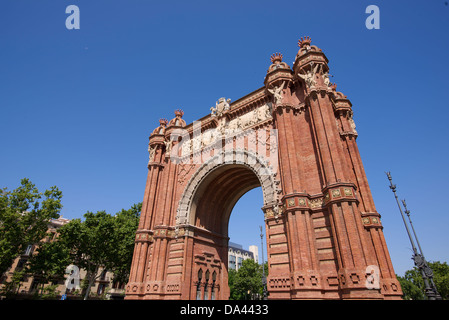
[77,106]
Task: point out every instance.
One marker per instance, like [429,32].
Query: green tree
[246,283]
[89,242]
[234,293]
[413,285]
[125,226]
[102,241]
[11,288]
[410,290]
[48,262]
[49,292]
[24,217]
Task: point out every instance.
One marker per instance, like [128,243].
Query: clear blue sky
[77,106]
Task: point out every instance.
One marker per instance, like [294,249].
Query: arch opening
[211,209]
[244,231]
[217,185]
[216,197]
[205,208]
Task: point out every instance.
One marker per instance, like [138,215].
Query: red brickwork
[324,236]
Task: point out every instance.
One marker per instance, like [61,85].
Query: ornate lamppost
[418,258]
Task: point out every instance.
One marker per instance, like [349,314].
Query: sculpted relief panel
[249,119]
[225,128]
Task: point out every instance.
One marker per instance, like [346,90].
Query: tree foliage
[246,283]
[24,216]
[126,223]
[99,241]
[102,241]
[48,262]
[413,285]
[11,288]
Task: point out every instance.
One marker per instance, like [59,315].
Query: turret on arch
[295,137]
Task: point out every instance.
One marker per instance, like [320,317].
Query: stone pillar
[153,235]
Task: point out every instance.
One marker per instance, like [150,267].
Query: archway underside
[218,194]
[210,211]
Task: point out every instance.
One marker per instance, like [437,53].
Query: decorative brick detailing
[371,220]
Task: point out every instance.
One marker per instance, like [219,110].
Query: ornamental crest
[221,106]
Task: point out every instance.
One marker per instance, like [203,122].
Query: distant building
[236,255]
[255,250]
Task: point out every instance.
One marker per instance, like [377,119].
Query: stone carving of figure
[221,106]
[268,111]
[186,148]
[277,93]
[225,103]
[221,126]
[276,211]
[196,143]
[247,121]
[206,138]
[325,76]
[168,145]
[256,116]
[234,126]
[327,82]
[351,122]
[152,151]
[238,124]
[309,77]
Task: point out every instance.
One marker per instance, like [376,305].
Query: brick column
[370,228]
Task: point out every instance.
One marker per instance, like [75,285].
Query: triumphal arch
[295,138]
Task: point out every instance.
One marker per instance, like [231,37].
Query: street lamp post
[418,258]
[264,278]
[421,259]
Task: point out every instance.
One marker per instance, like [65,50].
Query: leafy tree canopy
[24,216]
[246,283]
[413,285]
[102,241]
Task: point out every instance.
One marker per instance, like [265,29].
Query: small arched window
[214,277]
[198,286]
[206,286]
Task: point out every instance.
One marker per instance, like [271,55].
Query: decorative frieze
[297,109]
[183,172]
[371,220]
[159,232]
[315,203]
[306,280]
[303,202]
[273,212]
[340,193]
[279,283]
[346,193]
[144,236]
[255,97]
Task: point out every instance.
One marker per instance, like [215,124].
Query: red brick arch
[296,138]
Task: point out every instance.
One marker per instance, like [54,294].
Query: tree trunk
[91,281]
[42,288]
